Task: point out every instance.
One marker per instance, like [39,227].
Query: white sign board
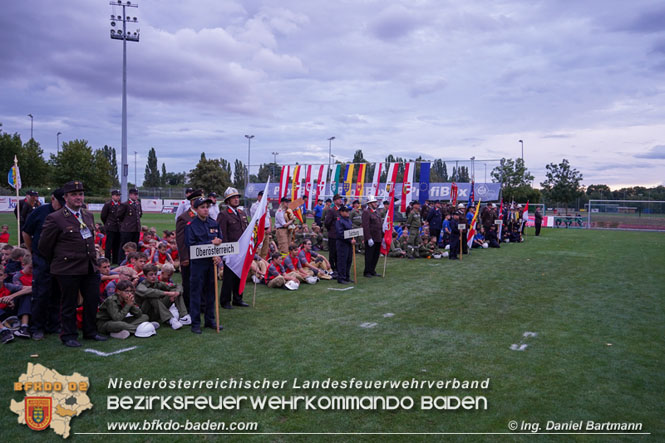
[352,233]
[461,227]
[498,222]
[207,251]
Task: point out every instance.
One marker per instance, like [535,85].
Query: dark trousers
[112,250]
[454,247]
[230,287]
[435,232]
[538,225]
[185,272]
[126,237]
[344,259]
[202,288]
[372,254]
[332,253]
[45,297]
[318,221]
[70,285]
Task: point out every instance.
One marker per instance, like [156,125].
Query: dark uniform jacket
[180,224]
[372,226]
[24,210]
[63,246]
[434,218]
[129,215]
[34,223]
[200,232]
[343,224]
[232,224]
[110,218]
[331,218]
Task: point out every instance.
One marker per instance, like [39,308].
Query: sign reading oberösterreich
[207,251]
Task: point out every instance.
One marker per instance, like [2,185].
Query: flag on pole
[334,180]
[453,194]
[472,197]
[407,191]
[309,185]
[348,180]
[500,217]
[360,181]
[423,195]
[472,228]
[391,178]
[525,215]
[295,184]
[249,241]
[14,177]
[376,180]
[388,225]
[283,182]
[320,183]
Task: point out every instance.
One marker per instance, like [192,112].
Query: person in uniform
[357,222]
[232,223]
[276,275]
[154,298]
[67,242]
[213,211]
[435,220]
[413,223]
[454,236]
[202,230]
[330,223]
[118,315]
[27,205]
[395,248]
[186,205]
[373,234]
[45,290]
[282,226]
[183,249]
[539,221]
[111,222]
[344,245]
[129,215]
[265,246]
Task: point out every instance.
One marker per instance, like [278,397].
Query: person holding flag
[372,234]
[525,218]
[472,228]
[233,223]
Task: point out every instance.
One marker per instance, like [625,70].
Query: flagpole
[385,261]
[216,298]
[18,204]
[461,246]
[254,296]
[355,276]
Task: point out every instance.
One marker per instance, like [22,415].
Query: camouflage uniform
[413,223]
[357,222]
[395,249]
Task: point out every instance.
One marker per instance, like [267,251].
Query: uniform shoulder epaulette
[189,222]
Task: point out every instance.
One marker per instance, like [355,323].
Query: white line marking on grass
[529,334]
[340,289]
[107,354]
[516,347]
[521,346]
[388,314]
[368,325]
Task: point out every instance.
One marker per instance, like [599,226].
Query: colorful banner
[295,184]
[376,180]
[283,182]
[321,182]
[360,180]
[407,186]
[334,179]
[348,180]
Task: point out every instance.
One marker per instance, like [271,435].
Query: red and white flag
[390,179]
[472,228]
[388,225]
[283,182]
[407,186]
[376,180]
[309,188]
[320,183]
[525,215]
[249,241]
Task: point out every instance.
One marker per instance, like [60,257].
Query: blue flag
[14,178]
[423,195]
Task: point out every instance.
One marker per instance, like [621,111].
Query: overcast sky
[442,79]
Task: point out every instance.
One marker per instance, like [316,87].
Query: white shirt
[254,208]
[182,208]
[213,212]
[280,221]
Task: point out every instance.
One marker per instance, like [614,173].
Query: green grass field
[594,299]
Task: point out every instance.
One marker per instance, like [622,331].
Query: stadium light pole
[57,141]
[135,179]
[522,142]
[274,161]
[330,151]
[132,37]
[249,147]
[31,121]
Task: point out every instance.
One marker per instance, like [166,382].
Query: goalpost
[641,215]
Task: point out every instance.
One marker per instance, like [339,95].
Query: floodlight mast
[124,36]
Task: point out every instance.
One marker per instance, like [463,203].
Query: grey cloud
[647,22]
[428,86]
[657,152]
[557,136]
[393,22]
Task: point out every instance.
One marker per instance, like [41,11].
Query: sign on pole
[352,233]
[208,251]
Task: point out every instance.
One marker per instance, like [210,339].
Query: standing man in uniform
[45,290]
[27,205]
[213,211]
[282,226]
[330,223]
[232,223]
[265,248]
[454,236]
[183,249]
[413,223]
[539,221]
[202,230]
[357,222]
[344,245]
[435,220]
[68,243]
[111,222]
[130,214]
[186,205]
[372,233]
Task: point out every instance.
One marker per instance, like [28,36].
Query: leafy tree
[109,152]
[358,157]
[516,180]
[562,183]
[210,175]
[266,170]
[174,178]
[34,169]
[10,145]
[239,174]
[74,162]
[162,178]
[438,171]
[151,175]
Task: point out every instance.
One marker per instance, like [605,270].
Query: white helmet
[447,247]
[446,254]
[485,245]
[460,206]
[145,329]
[372,200]
[292,285]
[311,280]
[230,192]
[437,256]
